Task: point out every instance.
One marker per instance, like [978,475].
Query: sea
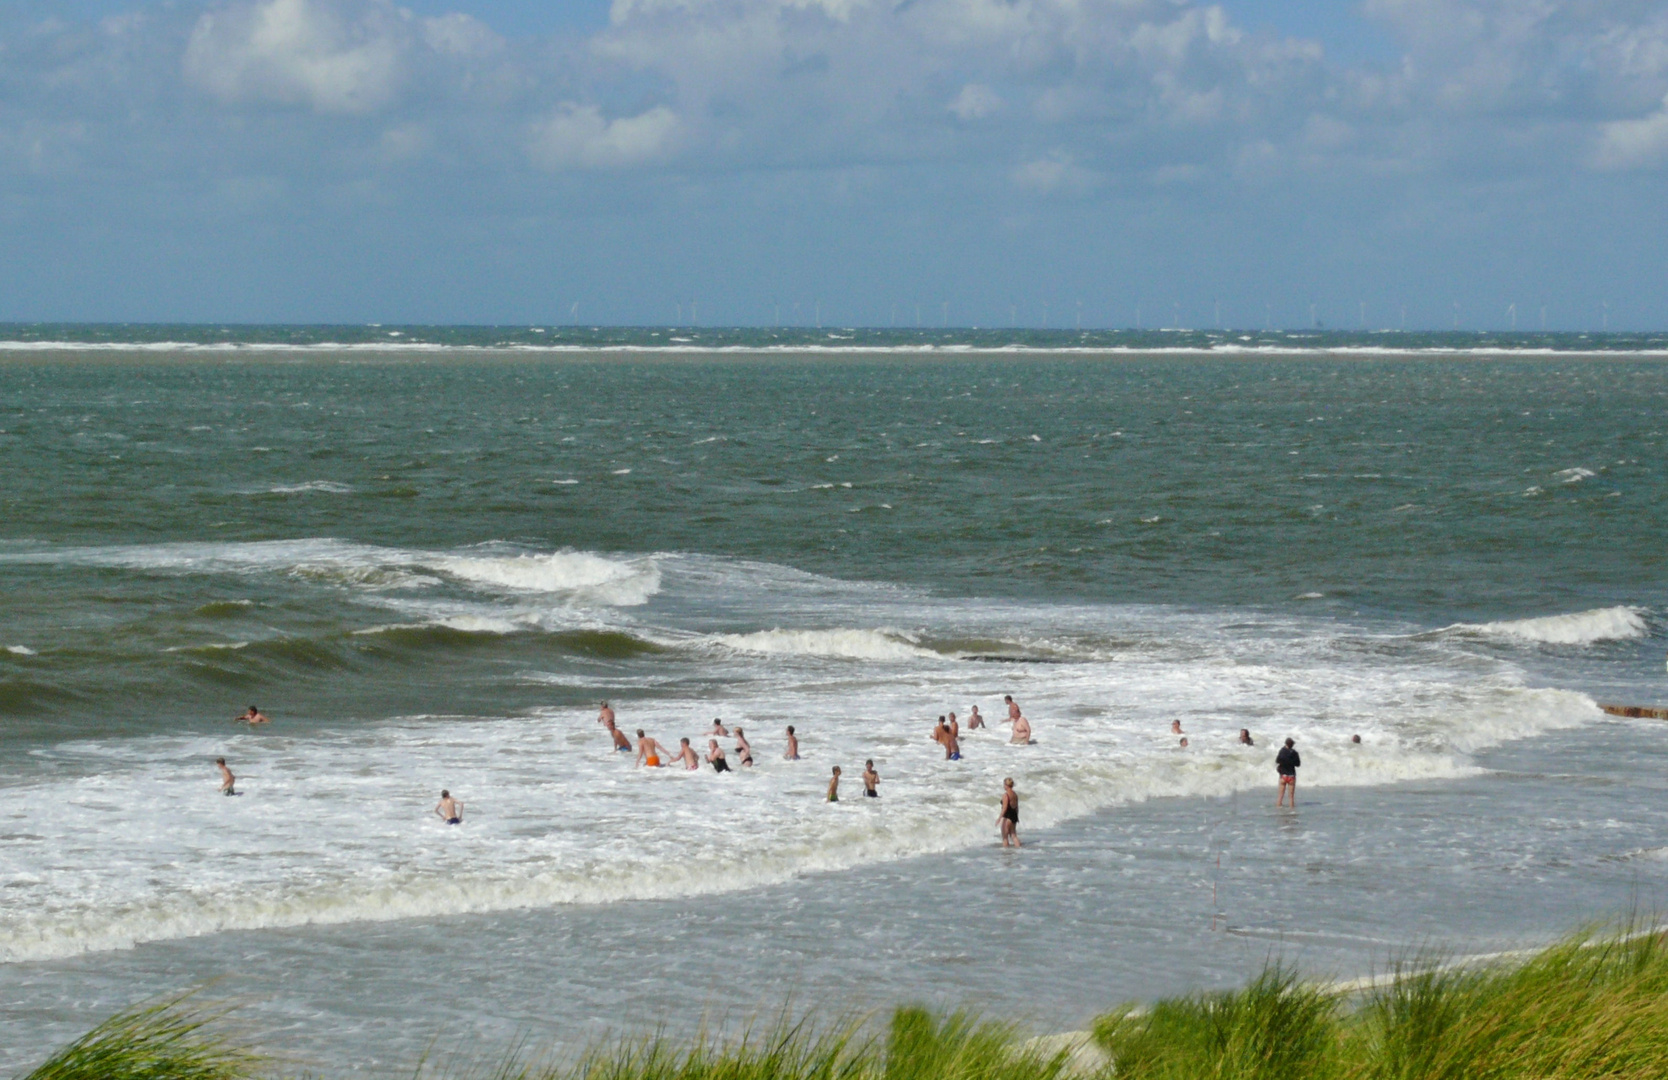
[429,553]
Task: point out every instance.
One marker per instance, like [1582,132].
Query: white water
[1576,628]
[120,841]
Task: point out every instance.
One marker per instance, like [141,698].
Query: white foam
[572,576]
[1573,476]
[21,650]
[1577,628]
[841,643]
[620,582]
[330,486]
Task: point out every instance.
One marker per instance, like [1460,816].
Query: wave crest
[1576,628]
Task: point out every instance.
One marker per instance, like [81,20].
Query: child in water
[834,786]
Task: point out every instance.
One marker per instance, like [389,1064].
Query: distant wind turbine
[1314,323]
[1605,325]
[1511,309]
[819,314]
[573,312]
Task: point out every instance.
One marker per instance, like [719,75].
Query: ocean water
[427,559]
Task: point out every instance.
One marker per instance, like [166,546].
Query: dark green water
[1435,490]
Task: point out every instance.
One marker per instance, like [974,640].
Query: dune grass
[1593,1006]
[1589,1007]
[173,1039]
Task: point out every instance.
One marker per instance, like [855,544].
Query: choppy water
[428,565]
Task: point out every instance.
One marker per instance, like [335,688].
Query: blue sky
[1016,160]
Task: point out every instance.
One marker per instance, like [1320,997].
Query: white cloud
[1626,144]
[334,56]
[1055,173]
[577,136]
[975,102]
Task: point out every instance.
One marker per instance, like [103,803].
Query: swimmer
[974,720]
[227,780]
[1184,742]
[449,809]
[715,756]
[871,779]
[834,786]
[1286,764]
[605,715]
[649,751]
[1175,727]
[744,748]
[955,728]
[1013,708]
[253,716]
[1245,737]
[793,746]
[1022,732]
[1007,820]
[1356,739]
[718,728]
[620,740]
[941,732]
[952,747]
[686,754]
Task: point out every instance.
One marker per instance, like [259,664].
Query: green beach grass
[1591,1006]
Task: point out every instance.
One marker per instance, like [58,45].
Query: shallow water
[428,570]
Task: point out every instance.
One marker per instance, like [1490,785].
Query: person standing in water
[744,748]
[715,756]
[227,780]
[254,716]
[718,728]
[952,745]
[941,733]
[871,780]
[834,786]
[649,751]
[1007,820]
[620,740]
[1175,727]
[686,754]
[1013,708]
[1022,732]
[1286,764]
[449,809]
[1245,737]
[974,720]
[605,715]
[793,746]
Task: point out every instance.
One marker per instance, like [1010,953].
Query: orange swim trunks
[653,762]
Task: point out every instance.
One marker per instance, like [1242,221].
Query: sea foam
[1576,628]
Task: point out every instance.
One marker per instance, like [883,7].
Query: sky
[1377,163]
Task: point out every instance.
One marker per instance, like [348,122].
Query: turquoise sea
[427,553]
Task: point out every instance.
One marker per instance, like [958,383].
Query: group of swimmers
[947,732]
